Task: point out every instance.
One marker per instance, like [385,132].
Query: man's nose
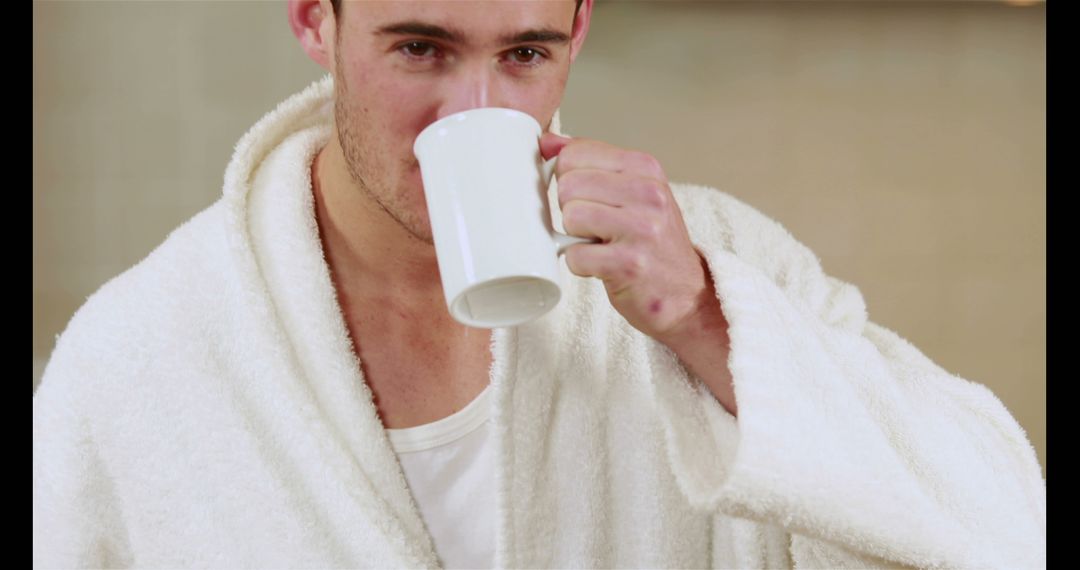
[474,88]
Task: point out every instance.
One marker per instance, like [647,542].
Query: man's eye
[417,49]
[527,56]
[423,51]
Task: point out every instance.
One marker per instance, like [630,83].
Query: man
[247,395]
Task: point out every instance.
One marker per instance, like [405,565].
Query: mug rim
[454,303]
[425,133]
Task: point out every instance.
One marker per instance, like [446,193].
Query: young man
[280,383]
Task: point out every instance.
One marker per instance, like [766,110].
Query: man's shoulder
[718,221]
[699,201]
[160,297]
[740,227]
[189,258]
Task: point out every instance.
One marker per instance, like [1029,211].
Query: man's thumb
[552,144]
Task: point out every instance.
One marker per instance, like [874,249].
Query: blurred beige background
[903,142]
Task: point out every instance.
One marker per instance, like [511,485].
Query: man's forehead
[466,21]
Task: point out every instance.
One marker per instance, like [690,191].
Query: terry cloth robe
[206,409]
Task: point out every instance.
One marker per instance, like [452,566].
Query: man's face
[392,79]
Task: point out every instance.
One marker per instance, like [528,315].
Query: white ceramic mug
[486,188]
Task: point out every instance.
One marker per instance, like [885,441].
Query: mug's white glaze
[486,188]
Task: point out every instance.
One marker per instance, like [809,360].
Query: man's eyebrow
[542,36]
[455,36]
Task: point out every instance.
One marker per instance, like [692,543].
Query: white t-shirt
[450,469]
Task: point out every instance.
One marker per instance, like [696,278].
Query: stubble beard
[358,164]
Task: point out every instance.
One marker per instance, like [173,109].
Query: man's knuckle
[633,263]
[654,193]
[649,164]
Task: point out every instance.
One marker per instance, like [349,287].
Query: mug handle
[562,241]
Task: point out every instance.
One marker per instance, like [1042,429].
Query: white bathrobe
[205,409]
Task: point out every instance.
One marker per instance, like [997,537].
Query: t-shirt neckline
[443,431]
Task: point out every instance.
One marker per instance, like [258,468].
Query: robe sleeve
[77,520]
[849,438]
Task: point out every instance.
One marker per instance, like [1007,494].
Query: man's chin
[421,231]
[428,239]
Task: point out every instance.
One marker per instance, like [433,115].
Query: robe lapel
[274,241]
[328,378]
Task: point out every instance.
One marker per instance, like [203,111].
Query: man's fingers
[586,153]
[589,219]
[608,262]
[613,188]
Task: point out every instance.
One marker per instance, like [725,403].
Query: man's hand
[654,276]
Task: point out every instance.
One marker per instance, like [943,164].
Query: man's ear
[581,28]
[312,22]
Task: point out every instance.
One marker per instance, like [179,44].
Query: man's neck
[363,244]
[379,269]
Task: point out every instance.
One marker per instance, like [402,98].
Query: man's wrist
[703,345]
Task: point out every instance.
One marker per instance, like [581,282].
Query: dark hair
[336,4]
